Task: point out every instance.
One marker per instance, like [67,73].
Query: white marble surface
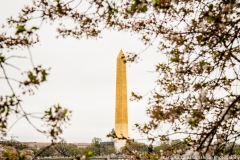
[119,143]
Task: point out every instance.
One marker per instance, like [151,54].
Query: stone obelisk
[121,110]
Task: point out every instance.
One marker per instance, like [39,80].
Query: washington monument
[121,110]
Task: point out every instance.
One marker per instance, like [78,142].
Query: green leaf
[221,38]
[2,59]
[159,66]
[133,6]
[20,29]
[3,110]
[34,28]
[156,2]
[210,18]
[202,63]
[44,76]
[199,38]
[191,122]
[210,7]
[233,1]
[174,59]
[144,9]
[89,153]
[65,112]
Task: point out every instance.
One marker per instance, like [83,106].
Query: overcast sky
[82,78]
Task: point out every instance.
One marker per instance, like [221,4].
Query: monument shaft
[121,111]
